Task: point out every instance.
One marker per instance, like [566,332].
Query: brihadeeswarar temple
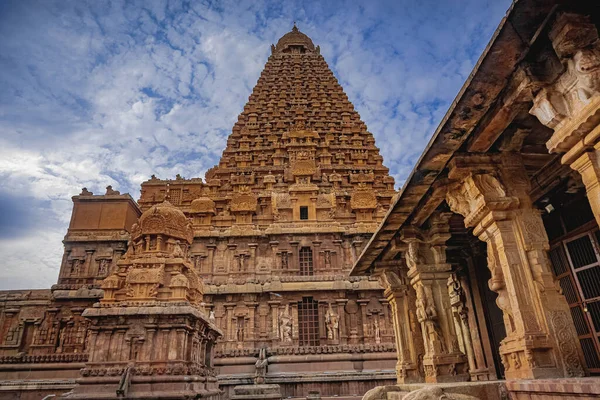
[294,269]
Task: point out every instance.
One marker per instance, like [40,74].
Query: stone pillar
[341,304]
[229,334]
[407,332]
[252,265]
[211,257]
[460,314]
[316,245]
[295,331]
[588,165]
[491,192]
[294,263]
[87,266]
[275,262]
[365,331]
[274,319]
[251,330]
[428,273]
[571,104]
[229,258]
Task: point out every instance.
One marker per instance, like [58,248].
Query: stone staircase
[256,392]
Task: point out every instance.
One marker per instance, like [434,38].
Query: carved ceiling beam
[431,203]
[516,99]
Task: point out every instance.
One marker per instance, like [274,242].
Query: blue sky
[97,93]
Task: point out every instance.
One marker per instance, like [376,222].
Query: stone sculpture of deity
[332,322]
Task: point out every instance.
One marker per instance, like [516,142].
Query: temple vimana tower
[254,256]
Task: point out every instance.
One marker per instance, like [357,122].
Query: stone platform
[570,388]
[256,392]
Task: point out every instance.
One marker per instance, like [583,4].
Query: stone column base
[408,373]
[446,368]
[531,358]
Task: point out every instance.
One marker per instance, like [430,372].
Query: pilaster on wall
[491,192]
[571,104]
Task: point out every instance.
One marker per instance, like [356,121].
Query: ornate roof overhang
[476,101]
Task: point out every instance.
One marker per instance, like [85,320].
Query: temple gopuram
[257,255]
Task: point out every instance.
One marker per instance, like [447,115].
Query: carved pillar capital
[493,198]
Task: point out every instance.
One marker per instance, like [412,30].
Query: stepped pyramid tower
[274,230]
[279,222]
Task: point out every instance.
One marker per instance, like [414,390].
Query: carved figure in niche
[62,335]
[327,258]
[241,263]
[240,330]
[211,317]
[103,267]
[177,250]
[130,249]
[139,247]
[332,322]
[261,365]
[376,329]
[285,325]
[427,315]
[284,260]
[76,266]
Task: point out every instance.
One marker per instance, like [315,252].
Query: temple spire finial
[295,28]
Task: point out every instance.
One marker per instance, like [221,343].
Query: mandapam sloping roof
[508,46]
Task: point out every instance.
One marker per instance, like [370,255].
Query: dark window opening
[308,322]
[303,212]
[306,261]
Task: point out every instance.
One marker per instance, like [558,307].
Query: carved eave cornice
[278,286]
[480,93]
[75,235]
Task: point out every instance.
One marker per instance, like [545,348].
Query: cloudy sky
[97,93]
